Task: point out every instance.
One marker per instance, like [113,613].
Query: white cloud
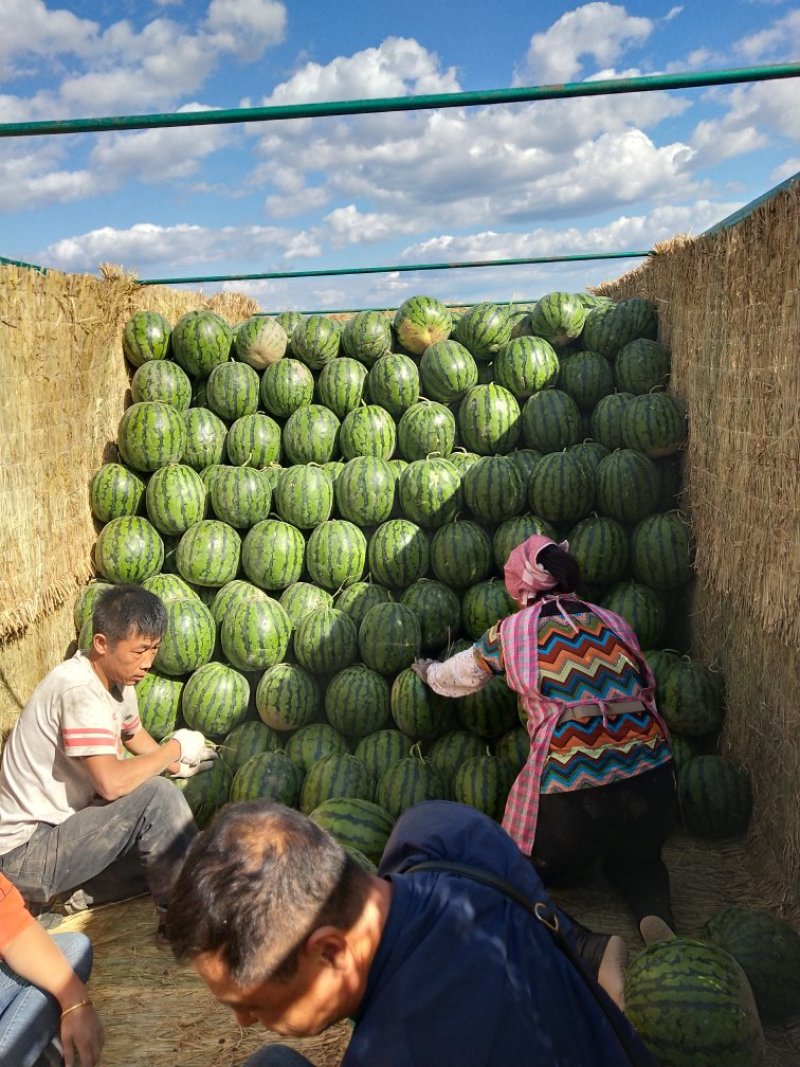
[788,169]
[780,40]
[246,27]
[30,28]
[600,30]
[754,112]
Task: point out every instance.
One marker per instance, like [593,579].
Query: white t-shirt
[70,714]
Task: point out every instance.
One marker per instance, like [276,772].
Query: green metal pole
[602,87]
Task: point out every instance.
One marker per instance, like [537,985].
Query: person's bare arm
[114,778]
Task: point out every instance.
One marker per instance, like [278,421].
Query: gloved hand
[204,763]
[420,668]
[192,745]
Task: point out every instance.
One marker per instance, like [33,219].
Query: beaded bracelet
[74,1007]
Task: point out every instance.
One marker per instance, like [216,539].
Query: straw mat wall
[63,381]
[729,311]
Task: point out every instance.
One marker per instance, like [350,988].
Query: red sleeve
[14,916]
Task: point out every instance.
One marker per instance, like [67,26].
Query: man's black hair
[126,610]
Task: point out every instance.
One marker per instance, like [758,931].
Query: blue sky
[511,181]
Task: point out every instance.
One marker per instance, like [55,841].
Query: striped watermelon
[484,330]
[336,554]
[641,607]
[561,488]
[483,783]
[308,745]
[158,698]
[240,496]
[379,750]
[208,553]
[358,598]
[626,486]
[206,434]
[368,430]
[325,641]
[268,776]
[339,776]
[288,320]
[606,420]
[393,383]
[201,340]
[128,549]
[661,551]
[461,554]
[689,699]
[315,341]
[164,381]
[429,491]
[425,429]
[439,612]
[215,699]
[691,1004]
[483,604]
[189,639]
[357,701]
[512,532]
[245,741]
[86,600]
[115,491]
[558,318]
[145,337]
[255,635]
[260,342]
[228,596]
[205,793]
[641,366]
[367,336]
[398,553]
[449,751]
[602,548]
[447,370]
[355,823]
[311,435]
[524,459]
[232,391]
[254,441]
[526,365]
[304,496]
[287,697]
[551,421]
[608,328]
[493,488]
[389,638]
[489,420]
[514,747]
[491,711]
[285,387]
[587,377]
[409,781]
[421,321]
[169,587]
[340,385]
[175,498]
[654,423]
[151,435]
[365,490]
[590,452]
[670,477]
[299,598]
[417,711]
[273,554]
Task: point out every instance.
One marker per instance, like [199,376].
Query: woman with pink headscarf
[599,783]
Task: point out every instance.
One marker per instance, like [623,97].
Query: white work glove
[420,668]
[192,745]
[205,763]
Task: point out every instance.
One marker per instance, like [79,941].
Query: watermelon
[357,701]
[255,635]
[128,549]
[626,486]
[341,775]
[115,491]
[206,435]
[421,321]
[409,781]
[670,478]
[308,745]
[449,751]
[358,598]
[285,387]
[228,596]
[365,491]
[299,598]
[393,383]
[232,391]
[254,441]
[491,711]
[162,380]
[85,603]
[367,336]
[691,1004]
[417,711]
[268,776]
[561,488]
[240,496]
[514,747]
[641,607]
[608,328]
[175,498]
[493,489]
[525,366]
[355,823]
[389,638]
[151,434]
[325,641]
[288,320]
[602,548]
[379,750]
[512,532]
[557,317]
[587,377]
[189,638]
[336,554]
[206,792]
[483,604]
[215,699]
[590,452]
[169,587]
[159,701]
[447,371]
[551,421]
[368,430]
[145,337]
[439,612]
[245,741]
[605,423]
[398,553]
[287,697]
[201,340]
[461,554]
[260,342]
[429,491]
[689,699]
[483,782]
[484,330]
[304,496]
[426,428]
[315,341]
[661,551]
[273,554]
[311,435]
[641,366]
[340,385]
[208,554]
[489,419]
[654,423]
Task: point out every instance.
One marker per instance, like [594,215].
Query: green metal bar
[335,271]
[748,209]
[21,263]
[601,87]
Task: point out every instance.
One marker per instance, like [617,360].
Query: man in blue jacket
[432,967]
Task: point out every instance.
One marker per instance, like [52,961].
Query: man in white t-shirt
[81,822]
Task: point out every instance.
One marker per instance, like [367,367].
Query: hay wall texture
[729,311]
[63,384]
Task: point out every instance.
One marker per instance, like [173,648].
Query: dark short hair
[255,884]
[125,610]
[562,566]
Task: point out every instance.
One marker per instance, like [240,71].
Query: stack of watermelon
[318,502]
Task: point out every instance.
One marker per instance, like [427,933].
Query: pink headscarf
[525,578]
